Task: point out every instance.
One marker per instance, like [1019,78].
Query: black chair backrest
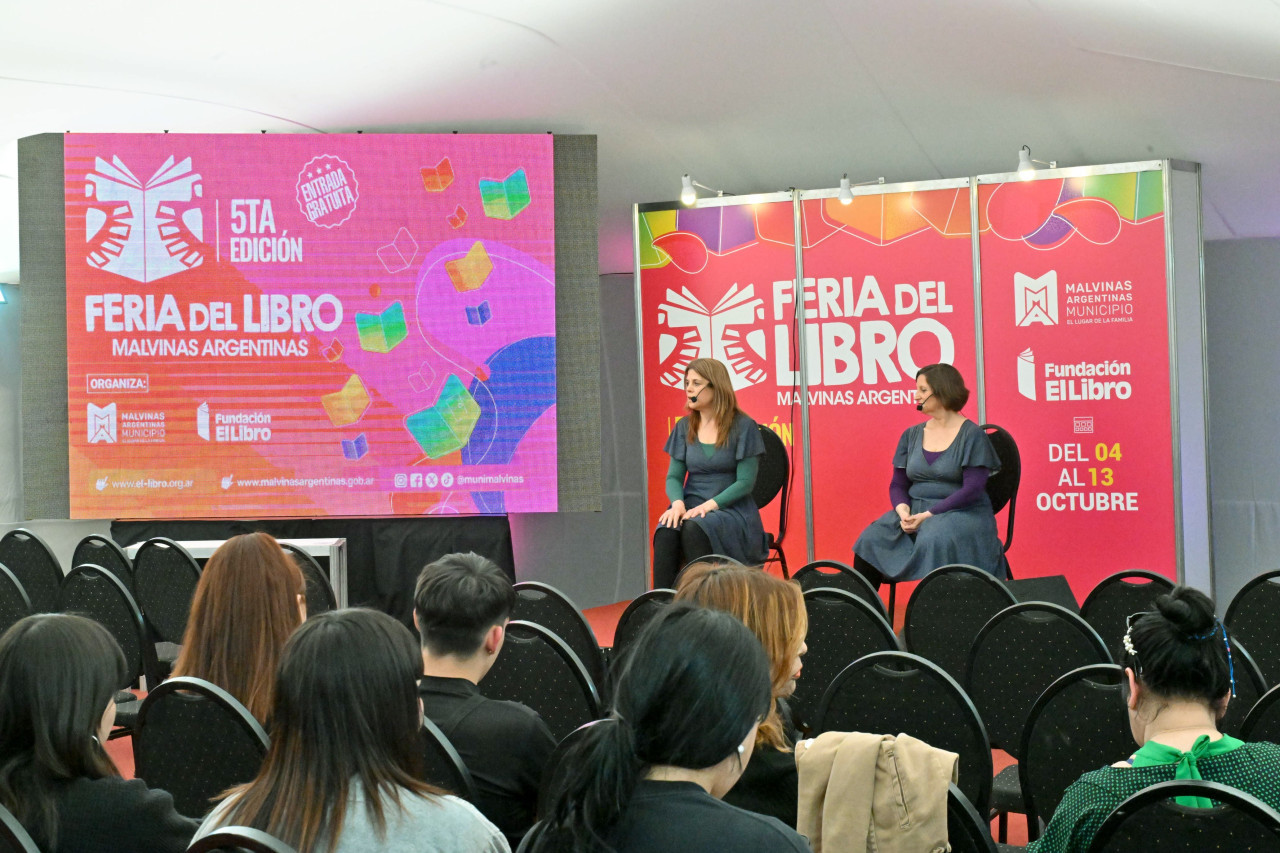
[240,838]
[947,610]
[895,692]
[547,606]
[1149,820]
[1251,618]
[98,550]
[194,740]
[836,575]
[1078,724]
[1002,486]
[13,837]
[538,669]
[1250,687]
[773,477]
[555,763]
[842,628]
[320,597]
[34,564]
[1017,654]
[633,619]
[967,832]
[1116,597]
[14,602]
[165,576]
[1263,720]
[442,765]
[95,592]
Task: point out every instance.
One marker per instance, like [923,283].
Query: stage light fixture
[1027,166]
[688,195]
[845,195]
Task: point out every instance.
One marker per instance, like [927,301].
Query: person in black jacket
[58,678]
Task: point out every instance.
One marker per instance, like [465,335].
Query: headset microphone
[920,405]
[695,397]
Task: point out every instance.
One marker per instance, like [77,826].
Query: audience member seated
[1179,677]
[250,598]
[341,775]
[774,611]
[461,607]
[693,691]
[58,678]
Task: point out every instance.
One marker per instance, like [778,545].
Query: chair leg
[893,601]
[1002,828]
[782,559]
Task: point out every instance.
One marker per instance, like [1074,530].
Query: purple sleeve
[975,480]
[899,488]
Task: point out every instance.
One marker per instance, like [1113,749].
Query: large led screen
[310,325]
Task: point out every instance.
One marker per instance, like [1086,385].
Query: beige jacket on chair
[866,792]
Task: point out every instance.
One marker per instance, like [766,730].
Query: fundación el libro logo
[232,426]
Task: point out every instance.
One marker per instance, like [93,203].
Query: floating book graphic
[470,271]
[505,199]
[439,178]
[446,426]
[1027,374]
[347,405]
[150,227]
[398,255]
[382,332]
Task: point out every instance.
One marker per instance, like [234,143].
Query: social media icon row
[430,480]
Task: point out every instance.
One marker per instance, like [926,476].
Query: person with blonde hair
[773,609]
[715,454]
[250,598]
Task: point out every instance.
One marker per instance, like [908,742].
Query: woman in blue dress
[715,453]
[941,513]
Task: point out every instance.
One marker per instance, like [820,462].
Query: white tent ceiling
[747,95]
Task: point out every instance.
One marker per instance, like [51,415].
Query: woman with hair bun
[1179,677]
[941,513]
[773,610]
[694,689]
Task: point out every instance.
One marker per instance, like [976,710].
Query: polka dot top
[1253,768]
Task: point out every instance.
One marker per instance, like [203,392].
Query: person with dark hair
[58,678]
[250,598]
[342,773]
[1179,677]
[715,455]
[461,606]
[650,777]
[941,513]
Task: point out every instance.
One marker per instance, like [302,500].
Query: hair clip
[1128,643]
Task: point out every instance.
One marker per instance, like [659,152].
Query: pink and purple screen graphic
[338,325]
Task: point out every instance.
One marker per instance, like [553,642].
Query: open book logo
[696,331]
[143,230]
[1035,300]
[1027,374]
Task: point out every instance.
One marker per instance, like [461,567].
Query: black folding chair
[842,628]
[551,774]
[165,576]
[96,593]
[320,597]
[633,619]
[442,765]
[538,669]
[14,602]
[194,740]
[13,837]
[239,838]
[836,575]
[1250,687]
[1002,485]
[1150,820]
[1263,720]
[967,832]
[1078,724]
[98,550]
[1252,617]
[773,479]
[1017,654]
[947,610]
[34,564]
[547,606]
[1116,597]
[895,692]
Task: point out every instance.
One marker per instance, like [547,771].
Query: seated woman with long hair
[649,777]
[250,598]
[773,609]
[341,774]
[1179,676]
[58,678]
